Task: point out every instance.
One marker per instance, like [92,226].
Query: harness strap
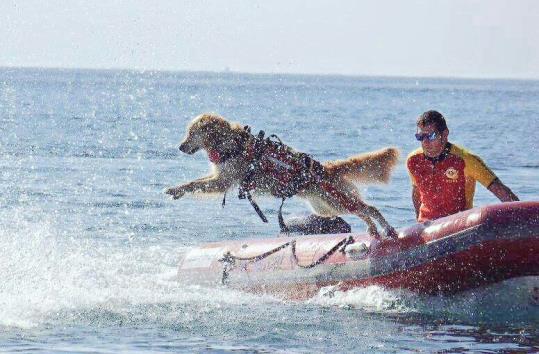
[256,207]
[258,149]
[282,225]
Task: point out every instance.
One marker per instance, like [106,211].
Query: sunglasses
[429,137]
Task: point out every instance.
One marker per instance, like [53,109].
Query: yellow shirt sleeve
[478,170]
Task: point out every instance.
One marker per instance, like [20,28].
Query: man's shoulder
[462,152]
[414,159]
[415,153]
[475,166]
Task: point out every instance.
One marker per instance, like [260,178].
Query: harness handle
[276,137]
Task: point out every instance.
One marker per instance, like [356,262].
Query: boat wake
[514,301]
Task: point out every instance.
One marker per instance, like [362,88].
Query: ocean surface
[89,243]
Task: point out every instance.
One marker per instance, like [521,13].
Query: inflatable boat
[467,250]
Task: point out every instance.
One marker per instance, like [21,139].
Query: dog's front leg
[175,192]
[352,202]
[210,184]
[178,191]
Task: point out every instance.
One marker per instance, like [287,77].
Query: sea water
[89,243]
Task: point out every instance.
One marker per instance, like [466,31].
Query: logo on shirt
[451,173]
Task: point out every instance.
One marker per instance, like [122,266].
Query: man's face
[432,147]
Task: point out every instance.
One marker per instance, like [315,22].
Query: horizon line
[227,71]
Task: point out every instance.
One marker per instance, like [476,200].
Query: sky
[428,38]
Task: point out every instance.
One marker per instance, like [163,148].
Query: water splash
[49,275]
[369,299]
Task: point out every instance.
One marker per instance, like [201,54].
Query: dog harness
[291,171]
[217,156]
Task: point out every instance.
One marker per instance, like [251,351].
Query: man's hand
[503,192]
[175,192]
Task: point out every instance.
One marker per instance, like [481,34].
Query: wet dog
[227,144]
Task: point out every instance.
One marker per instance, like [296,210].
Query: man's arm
[416,200]
[484,175]
[503,192]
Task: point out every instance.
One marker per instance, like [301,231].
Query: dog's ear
[213,128]
[209,122]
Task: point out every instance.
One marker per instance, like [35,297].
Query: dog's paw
[175,192]
[391,233]
[373,232]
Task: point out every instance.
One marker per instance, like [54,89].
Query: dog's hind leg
[371,226]
[372,212]
[351,201]
[367,213]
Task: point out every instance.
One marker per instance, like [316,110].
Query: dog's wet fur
[213,133]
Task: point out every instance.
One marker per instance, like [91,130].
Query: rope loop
[229,260]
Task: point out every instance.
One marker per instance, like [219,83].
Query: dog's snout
[188,149]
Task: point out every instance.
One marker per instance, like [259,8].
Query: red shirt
[446,184]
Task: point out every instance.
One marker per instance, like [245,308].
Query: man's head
[432,132]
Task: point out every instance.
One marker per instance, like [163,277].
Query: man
[444,175]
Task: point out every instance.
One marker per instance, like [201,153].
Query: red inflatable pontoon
[467,250]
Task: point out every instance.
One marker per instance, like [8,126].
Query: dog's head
[208,132]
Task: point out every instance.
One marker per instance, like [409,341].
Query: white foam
[513,300]
[371,298]
[46,273]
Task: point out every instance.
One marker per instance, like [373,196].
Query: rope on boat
[229,260]
[341,245]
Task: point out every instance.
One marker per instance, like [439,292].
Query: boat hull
[467,250]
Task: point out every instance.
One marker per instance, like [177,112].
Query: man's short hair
[432,117]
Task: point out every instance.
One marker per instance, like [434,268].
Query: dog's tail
[371,167]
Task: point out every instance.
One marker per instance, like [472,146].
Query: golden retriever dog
[227,143]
